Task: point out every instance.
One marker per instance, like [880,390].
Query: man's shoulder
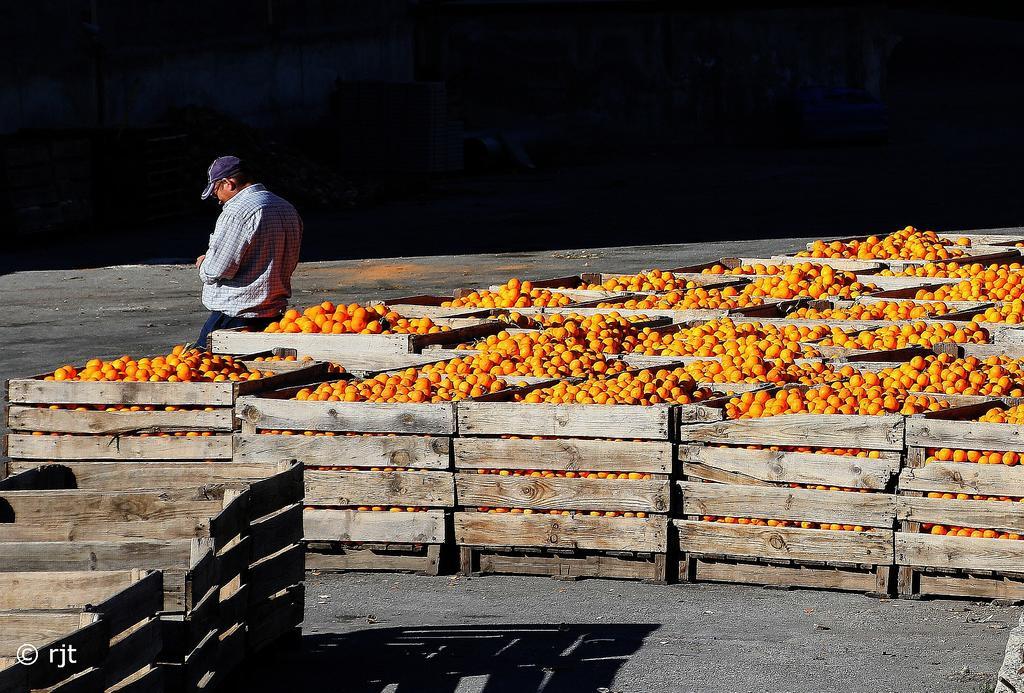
[263,199]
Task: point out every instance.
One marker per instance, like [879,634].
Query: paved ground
[401,633]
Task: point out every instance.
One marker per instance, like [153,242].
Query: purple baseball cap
[221,168]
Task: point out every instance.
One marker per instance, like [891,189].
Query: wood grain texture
[785,543]
[101,447]
[94,555]
[117,422]
[813,430]
[842,507]
[564,420]
[374,527]
[654,457]
[413,488]
[964,477]
[61,589]
[355,417]
[1006,516]
[329,347]
[971,586]
[58,508]
[494,491]
[766,467]
[38,391]
[421,452]
[154,475]
[571,532]
[847,579]
[930,551]
[967,435]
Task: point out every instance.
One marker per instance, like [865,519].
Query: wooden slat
[564,420]
[378,527]
[277,572]
[420,452]
[26,446]
[785,543]
[1007,516]
[105,530]
[812,430]
[89,642]
[60,590]
[571,532]
[654,457]
[964,477]
[970,586]
[276,491]
[329,347]
[61,508]
[119,422]
[412,488]
[571,567]
[766,467]
[356,417]
[932,551]
[93,555]
[36,628]
[966,435]
[148,680]
[122,476]
[785,576]
[274,532]
[279,618]
[131,605]
[35,391]
[842,507]
[133,651]
[494,491]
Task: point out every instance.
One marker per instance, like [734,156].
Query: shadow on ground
[443,659]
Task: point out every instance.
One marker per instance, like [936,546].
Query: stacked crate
[945,493]
[735,482]
[108,618]
[369,455]
[565,526]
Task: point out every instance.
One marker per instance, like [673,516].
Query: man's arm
[231,238]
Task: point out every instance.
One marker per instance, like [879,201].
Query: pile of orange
[809,281]
[726,298]
[918,333]
[644,387]
[992,285]
[543,361]
[722,337]
[944,530]
[757,268]
[652,280]
[565,513]
[542,321]
[1012,415]
[558,474]
[1009,458]
[758,522]
[949,375]
[326,318]
[906,244]
[410,385]
[954,270]
[178,366]
[513,294]
[823,487]
[593,333]
[1011,313]
[861,394]
[969,496]
[842,452]
[754,369]
[881,310]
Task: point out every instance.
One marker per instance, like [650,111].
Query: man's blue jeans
[223,321]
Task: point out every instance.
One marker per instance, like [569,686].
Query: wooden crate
[858,266]
[566,546]
[336,347]
[978,568]
[738,482]
[119,609]
[414,437]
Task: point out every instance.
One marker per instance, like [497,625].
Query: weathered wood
[564,420]
[148,680]
[968,435]
[767,467]
[38,391]
[842,507]
[132,604]
[421,452]
[872,548]
[560,531]
[117,422]
[356,557]
[492,490]
[26,446]
[276,624]
[368,526]
[277,572]
[51,633]
[277,491]
[411,488]
[967,585]
[271,533]
[568,567]
[813,430]
[654,457]
[1003,516]
[964,477]
[60,590]
[839,578]
[149,476]
[230,652]
[133,650]
[329,347]
[933,551]
[356,417]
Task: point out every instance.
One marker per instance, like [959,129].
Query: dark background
[440,127]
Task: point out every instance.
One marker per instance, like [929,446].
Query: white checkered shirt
[253,251]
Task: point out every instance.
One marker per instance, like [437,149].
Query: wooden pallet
[119,607]
[977,568]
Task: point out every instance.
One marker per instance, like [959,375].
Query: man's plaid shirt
[253,251]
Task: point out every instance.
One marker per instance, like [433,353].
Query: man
[254,249]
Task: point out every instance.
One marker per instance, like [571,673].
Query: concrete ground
[402,633]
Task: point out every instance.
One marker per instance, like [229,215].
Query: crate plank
[132,651]
[377,527]
[60,590]
[812,430]
[1006,516]
[274,532]
[411,488]
[931,551]
[93,555]
[117,422]
[817,577]
[101,447]
[277,572]
[572,566]
[842,507]
[357,417]
[564,420]
[768,467]
[571,532]
[37,391]
[492,490]
[964,477]
[318,346]
[121,476]
[654,457]
[971,586]
[968,435]
[63,507]
[787,543]
[420,452]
